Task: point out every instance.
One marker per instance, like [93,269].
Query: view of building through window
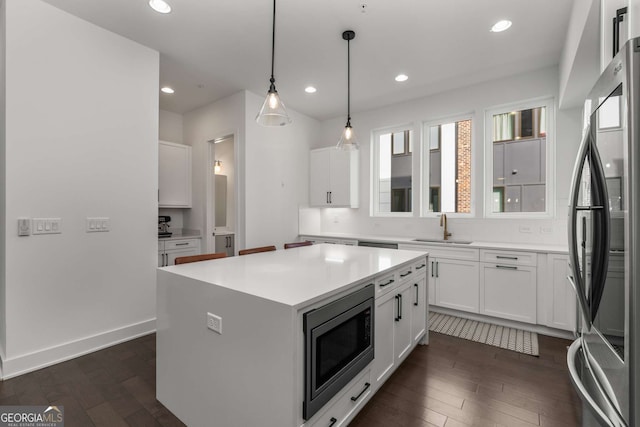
[395,171]
[450,167]
[519,161]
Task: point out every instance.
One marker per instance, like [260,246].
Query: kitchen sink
[453,242]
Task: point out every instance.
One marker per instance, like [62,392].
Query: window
[447,166]
[518,160]
[392,172]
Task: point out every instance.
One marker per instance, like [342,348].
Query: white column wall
[221,118]
[277,175]
[80,141]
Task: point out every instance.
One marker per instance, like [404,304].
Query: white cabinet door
[419,307]
[384,324]
[508,292]
[456,284]
[319,178]
[174,175]
[402,339]
[340,177]
[561,298]
[333,180]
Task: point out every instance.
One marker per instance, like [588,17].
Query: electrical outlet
[24,226]
[214,323]
[525,229]
[546,229]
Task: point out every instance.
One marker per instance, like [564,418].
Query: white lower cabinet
[561,298]
[419,307]
[455,283]
[508,287]
[401,319]
[343,409]
[169,250]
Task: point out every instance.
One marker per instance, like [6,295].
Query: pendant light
[348,140]
[217,166]
[273,112]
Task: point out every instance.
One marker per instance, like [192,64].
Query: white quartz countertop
[519,246]
[186,234]
[297,277]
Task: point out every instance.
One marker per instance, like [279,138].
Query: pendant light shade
[348,140]
[273,111]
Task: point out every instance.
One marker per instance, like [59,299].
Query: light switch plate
[98,224]
[47,225]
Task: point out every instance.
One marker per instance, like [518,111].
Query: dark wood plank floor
[451,383]
[454,382]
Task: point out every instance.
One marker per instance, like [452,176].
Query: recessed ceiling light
[310,89]
[501,26]
[402,78]
[167,89]
[160,6]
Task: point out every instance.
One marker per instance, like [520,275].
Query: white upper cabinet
[174,175]
[333,180]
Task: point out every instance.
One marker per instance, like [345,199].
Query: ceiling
[210,49]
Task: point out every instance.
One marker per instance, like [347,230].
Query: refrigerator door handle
[573,353]
[582,300]
[576,279]
[601,232]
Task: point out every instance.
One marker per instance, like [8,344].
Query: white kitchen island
[252,373]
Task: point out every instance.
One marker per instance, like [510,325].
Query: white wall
[170,126]
[81,140]
[475,99]
[277,175]
[3,180]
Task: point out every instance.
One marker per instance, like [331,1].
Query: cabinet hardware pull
[382,285]
[182,244]
[366,387]
[515,258]
[397,308]
[507,267]
[330,197]
[417,297]
[327,197]
[406,274]
[400,306]
[333,421]
[437,272]
[421,266]
[431,268]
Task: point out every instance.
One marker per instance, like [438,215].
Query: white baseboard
[540,329]
[16,366]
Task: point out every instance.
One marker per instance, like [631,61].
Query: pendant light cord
[273,47]
[349,82]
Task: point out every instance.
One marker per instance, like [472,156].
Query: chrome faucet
[443,222]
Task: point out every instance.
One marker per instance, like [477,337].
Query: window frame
[550,150]
[425,146]
[375,172]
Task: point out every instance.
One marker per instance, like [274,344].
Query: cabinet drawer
[441,251]
[508,257]
[342,409]
[386,283]
[181,244]
[420,267]
[405,273]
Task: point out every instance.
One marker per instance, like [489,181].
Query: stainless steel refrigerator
[604,217]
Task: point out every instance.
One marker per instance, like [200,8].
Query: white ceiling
[210,49]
